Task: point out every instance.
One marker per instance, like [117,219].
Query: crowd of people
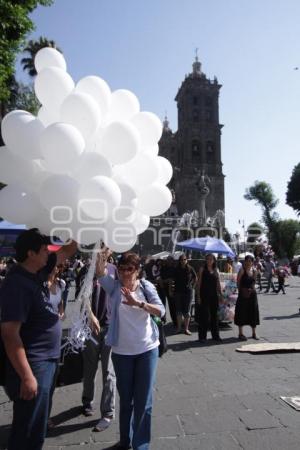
[127,295]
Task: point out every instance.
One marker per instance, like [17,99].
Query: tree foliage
[262,193]
[284,238]
[15,24]
[293,190]
[32,47]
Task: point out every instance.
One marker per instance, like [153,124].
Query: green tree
[15,24]
[262,193]
[284,238]
[293,190]
[254,230]
[32,47]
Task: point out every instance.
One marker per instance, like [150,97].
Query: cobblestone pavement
[207,396]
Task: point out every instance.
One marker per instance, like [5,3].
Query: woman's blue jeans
[30,417]
[135,381]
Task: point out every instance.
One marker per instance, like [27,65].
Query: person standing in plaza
[134,338]
[31,333]
[98,349]
[185,281]
[246,309]
[269,267]
[208,295]
[236,265]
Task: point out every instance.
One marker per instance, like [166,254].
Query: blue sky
[148,46]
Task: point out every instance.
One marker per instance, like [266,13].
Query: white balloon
[61,146]
[49,57]
[119,237]
[119,143]
[91,164]
[140,222]
[128,203]
[81,111]
[165,170]
[98,89]
[48,116]
[152,150]
[154,200]
[59,194]
[149,127]
[139,172]
[11,123]
[17,205]
[13,168]
[124,105]
[99,196]
[52,85]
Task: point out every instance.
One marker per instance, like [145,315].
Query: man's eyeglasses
[129,269]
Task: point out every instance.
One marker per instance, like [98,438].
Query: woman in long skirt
[246,310]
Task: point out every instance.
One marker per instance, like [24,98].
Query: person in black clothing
[166,286]
[31,333]
[185,280]
[246,309]
[209,292]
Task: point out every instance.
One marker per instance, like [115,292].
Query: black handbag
[163,345]
[70,368]
[3,359]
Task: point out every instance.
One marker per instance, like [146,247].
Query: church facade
[194,151]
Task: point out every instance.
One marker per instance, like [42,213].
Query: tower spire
[196,64]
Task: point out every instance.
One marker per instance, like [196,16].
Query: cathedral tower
[195,148]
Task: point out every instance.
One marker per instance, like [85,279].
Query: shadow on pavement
[66,429]
[292,316]
[180,346]
[67,415]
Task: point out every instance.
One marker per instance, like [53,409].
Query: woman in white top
[134,338]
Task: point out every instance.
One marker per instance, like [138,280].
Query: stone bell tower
[195,149]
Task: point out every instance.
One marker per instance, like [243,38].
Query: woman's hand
[130,300]
[101,262]
[95,325]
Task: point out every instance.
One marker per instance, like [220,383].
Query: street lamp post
[242,223]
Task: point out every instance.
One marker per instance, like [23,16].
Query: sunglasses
[129,269]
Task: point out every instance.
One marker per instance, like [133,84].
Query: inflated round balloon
[13,168]
[124,105]
[165,170]
[98,89]
[128,203]
[59,191]
[119,143]
[12,122]
[91,164]
[52,85]
[154,200]
[140,222]
[49,57]
[139,172]
[153,150]
[17,205]
[48,116]
[119,237]
[99,196]
[149,127]
[81,111]
[61,146]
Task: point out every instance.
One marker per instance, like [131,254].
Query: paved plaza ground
[207,396]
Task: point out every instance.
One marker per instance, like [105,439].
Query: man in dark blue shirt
[31,334]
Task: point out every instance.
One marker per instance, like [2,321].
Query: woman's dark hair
[249,258]
[214,266]
[130,258]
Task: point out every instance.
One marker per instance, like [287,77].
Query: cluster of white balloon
[87,167]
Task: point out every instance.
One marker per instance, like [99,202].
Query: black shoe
[119,446]
[87,410]
[217,340]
